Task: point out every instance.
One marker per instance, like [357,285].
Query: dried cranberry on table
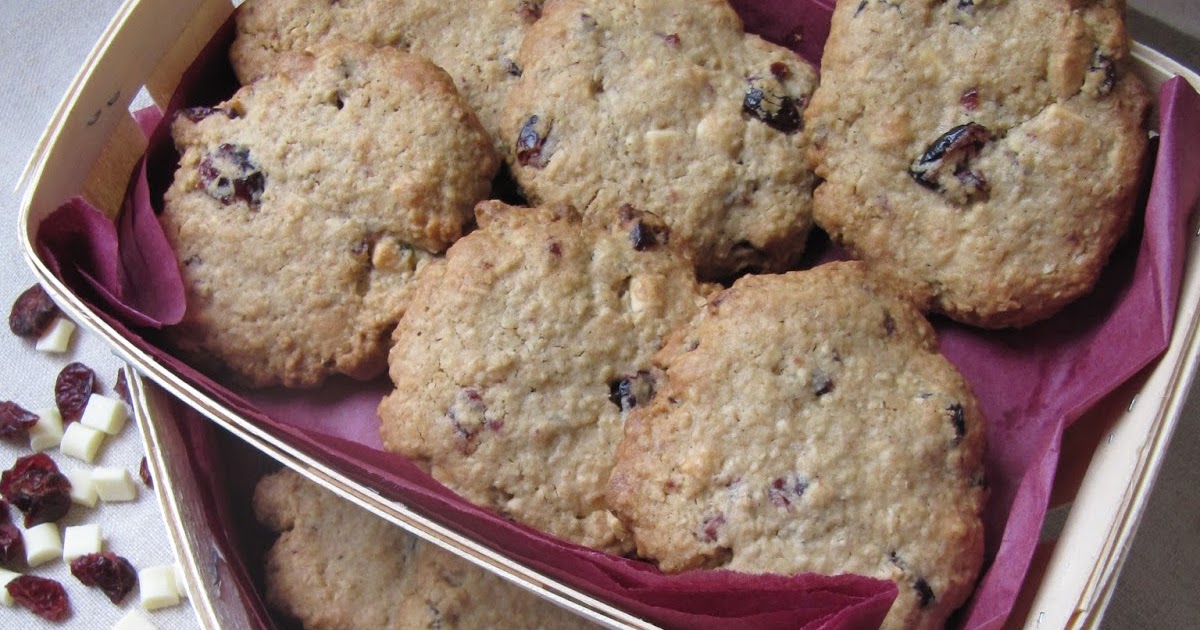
[76,383]
[121,388]
[15,421]
[12,545]
[43,597]
[32,313]
[144,473]
[36,487]
[111,573]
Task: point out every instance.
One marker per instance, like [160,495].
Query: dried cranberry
[144,473]
[32,313]
[112,573]
[969,99]
[531,144]
[628,392]
[555,249]
[784,490]
[1101,74]
[510,67]
[671,40]
[924,592]
[646,231]
[889,324]
[822,383]
[780,70]
[229,174]
[468,415]
[529,11]
[34,486]
[945,165]
[43,597]
[766,101]
[958,418]
[711,526]
[196,114]
[12,545]
[15,420]
[75,384]
[121,388]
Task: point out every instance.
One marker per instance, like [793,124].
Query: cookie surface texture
[334,565]
[987,153]
[522,353]
[475,42]
[303,205]
[807,423]
[338,567]
[669,106]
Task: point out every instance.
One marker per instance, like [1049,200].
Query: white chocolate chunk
[6,576]
[157,586]
[134,620]
[48,431]
[80,540]
[114,484]
[81,442]
[180,581]
[57,338]
[83,490]
[42,544]
[104,414]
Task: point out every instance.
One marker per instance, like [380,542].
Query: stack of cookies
[635,363]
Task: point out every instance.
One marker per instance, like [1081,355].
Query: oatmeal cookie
[303,205]
[475,42]
[336,566]
[667,105]
[987,153]
[523,351]
[807,423]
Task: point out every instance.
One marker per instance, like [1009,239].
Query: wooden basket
[92,143]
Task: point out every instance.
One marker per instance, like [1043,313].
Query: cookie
[805,422]
[444,591]
[335,566]
[523,351]
[475,42]
[986,153]
[303,205]
[670,106]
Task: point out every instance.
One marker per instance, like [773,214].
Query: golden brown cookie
[670,106]
[338,567]
[475,42]
[987,153]
[807,423]
[304,204]
[522,353]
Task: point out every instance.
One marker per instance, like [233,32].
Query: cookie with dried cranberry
[523,351]
[806,422]
[336,566]
[670,106]
[475,42]
[303,205]
[987,153]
